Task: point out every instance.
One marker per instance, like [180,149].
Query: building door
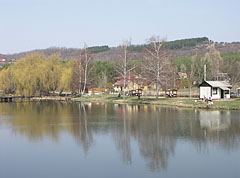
[222,93]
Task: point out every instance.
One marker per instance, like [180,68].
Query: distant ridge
[177,48]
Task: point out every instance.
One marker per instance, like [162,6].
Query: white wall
[205,92]
[227,95]
[218,95]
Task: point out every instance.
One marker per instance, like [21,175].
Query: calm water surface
[72,140]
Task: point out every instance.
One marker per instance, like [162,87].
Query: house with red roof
[2,60]
[133,83]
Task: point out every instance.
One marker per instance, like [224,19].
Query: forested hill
[178,48]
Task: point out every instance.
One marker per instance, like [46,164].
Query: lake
[95,140]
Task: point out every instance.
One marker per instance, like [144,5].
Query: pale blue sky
[32,24]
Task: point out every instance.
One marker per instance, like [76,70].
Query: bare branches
[156,61]
[82,69]
[122,66]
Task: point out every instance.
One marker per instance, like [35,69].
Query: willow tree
[65,80]
[6,82]
[49,74]
[36,74]
[26,74]
[156,62]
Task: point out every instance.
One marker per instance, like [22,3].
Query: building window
[214,91]
[226,91]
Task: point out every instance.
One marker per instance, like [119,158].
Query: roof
[220,84]
[224,88]
[127,77]
[121,83]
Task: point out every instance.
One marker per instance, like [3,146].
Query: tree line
[39,75]
[177,44]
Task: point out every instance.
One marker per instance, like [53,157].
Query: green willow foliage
[37,75]
[34,75]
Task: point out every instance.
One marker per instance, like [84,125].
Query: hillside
[178,48]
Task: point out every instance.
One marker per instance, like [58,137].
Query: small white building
[215,90]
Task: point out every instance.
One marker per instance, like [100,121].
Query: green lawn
[179,102]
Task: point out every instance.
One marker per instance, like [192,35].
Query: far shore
[183,102]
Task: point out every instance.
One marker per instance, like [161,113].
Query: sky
[38,24]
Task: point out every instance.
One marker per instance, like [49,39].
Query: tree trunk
[157,82]
[85,72]
[85,77]
[124,85]
[124,73]
[190,91]
[80,78]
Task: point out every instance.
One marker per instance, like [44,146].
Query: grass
[232,104]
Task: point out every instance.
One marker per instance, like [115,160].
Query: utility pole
[205,72]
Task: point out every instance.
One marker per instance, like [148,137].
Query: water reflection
[156,130]
[221,128]
[80,131]
[215,120]
[122,134]
[156,138]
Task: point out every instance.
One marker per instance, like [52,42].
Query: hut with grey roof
[215,90]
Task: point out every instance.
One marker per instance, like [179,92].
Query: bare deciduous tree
[81,70]
[122,66]
[191,74]
[232,68]
[156,63]
[215,60]
[87,58]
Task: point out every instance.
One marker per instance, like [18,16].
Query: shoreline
[181,102]
[194,103]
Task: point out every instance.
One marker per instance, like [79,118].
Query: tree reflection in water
[82,134]
[154,129]
[153,134]
[122,134]
[156,141]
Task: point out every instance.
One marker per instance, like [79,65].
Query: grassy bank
[232,104]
